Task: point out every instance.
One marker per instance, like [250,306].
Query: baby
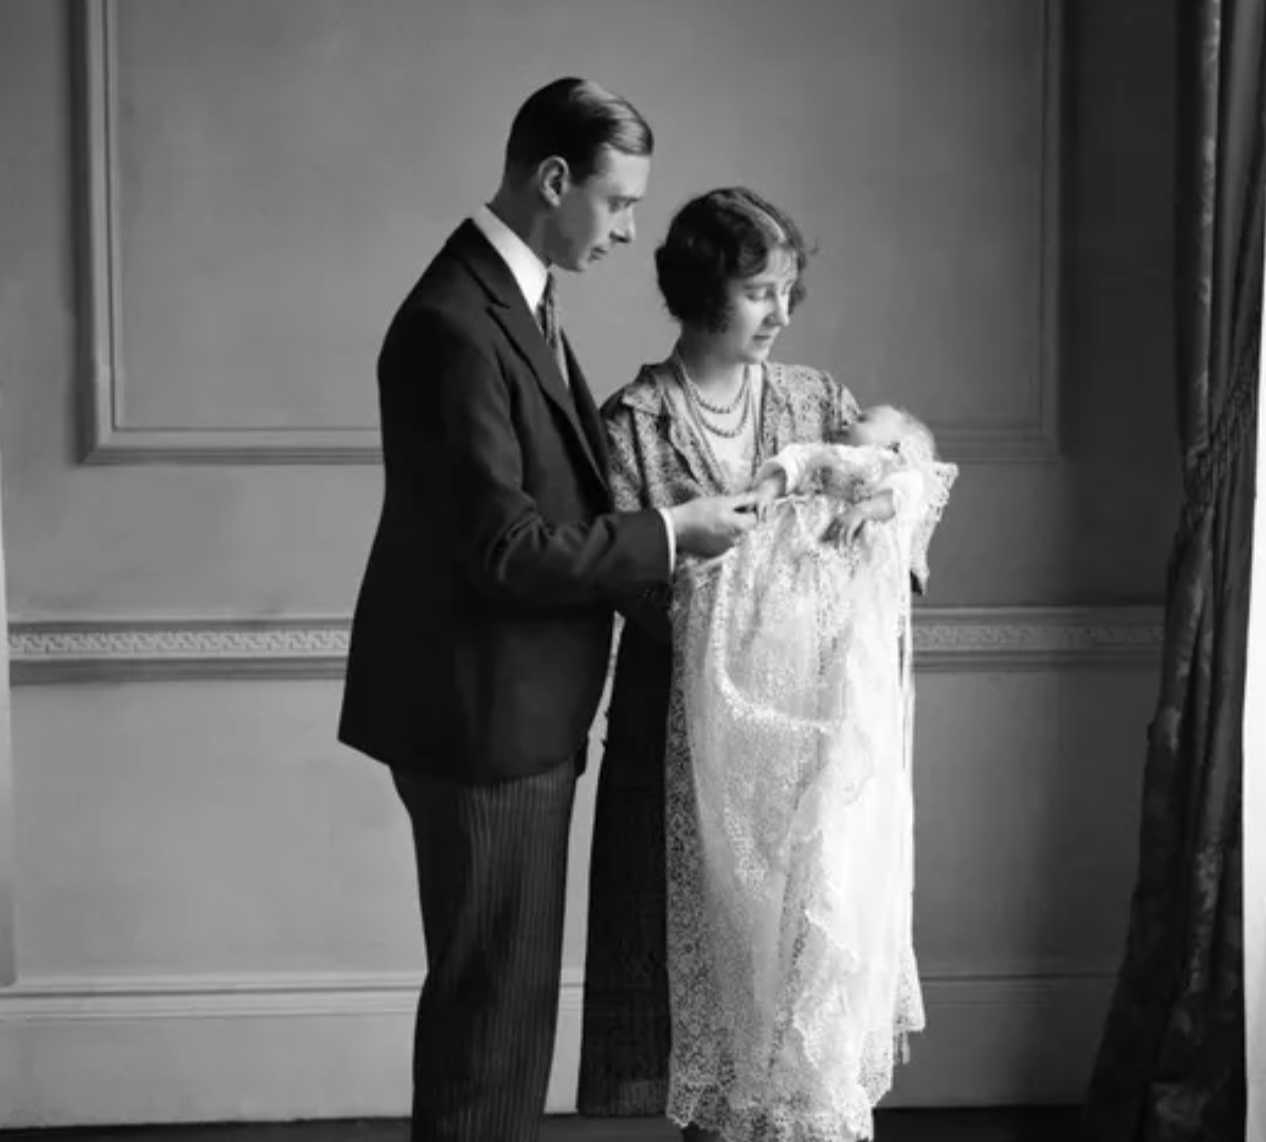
[876,465]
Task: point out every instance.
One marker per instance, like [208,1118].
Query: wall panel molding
[1037,437]
[946,638]
[106,436]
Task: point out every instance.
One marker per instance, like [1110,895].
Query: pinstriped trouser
[492,878]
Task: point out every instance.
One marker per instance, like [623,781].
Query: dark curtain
[1170,1066]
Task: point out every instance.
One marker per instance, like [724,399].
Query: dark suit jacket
[482,630]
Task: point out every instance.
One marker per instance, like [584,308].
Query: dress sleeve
[626,475]
[846,409]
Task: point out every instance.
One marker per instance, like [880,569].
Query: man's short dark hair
[720,237]
[575,119]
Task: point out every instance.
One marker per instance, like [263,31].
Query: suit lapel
[586,409]
[525,334]
[510,311]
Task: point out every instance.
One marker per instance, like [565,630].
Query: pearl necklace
[719,409]
[703,429]
[696,403]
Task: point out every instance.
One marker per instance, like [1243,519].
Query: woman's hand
[768,490]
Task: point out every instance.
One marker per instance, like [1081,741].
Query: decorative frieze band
[118,650]
[1015,637]
[946,638]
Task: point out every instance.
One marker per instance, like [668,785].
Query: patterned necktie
[547,318]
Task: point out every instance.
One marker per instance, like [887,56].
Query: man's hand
[711,525]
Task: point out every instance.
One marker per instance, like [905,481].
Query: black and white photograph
[632,571]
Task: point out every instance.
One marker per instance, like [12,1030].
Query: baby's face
[881,426]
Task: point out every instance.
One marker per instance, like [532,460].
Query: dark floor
[1020,1125]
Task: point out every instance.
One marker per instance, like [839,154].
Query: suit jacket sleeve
[509,550]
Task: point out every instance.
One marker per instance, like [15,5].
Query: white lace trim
[793,977]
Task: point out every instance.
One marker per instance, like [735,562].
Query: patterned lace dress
[657,461]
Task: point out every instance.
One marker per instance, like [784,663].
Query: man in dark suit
[482,631]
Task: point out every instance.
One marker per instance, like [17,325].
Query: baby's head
[886,426]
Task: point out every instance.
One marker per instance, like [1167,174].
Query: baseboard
[95,1052]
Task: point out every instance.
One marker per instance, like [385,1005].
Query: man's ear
[553,177]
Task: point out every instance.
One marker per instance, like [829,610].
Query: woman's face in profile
[759,310]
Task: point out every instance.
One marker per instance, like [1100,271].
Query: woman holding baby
[750,965]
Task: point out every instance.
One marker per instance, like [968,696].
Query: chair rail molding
[946,638]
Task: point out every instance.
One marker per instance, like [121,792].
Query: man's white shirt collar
[528,270]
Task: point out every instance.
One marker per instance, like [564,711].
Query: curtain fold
[1171,1064]
[8,877]
[1253,813]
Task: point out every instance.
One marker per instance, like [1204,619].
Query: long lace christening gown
[792,971]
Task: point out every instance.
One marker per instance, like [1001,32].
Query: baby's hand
[846,526]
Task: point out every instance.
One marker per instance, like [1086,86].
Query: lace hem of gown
[790,834]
